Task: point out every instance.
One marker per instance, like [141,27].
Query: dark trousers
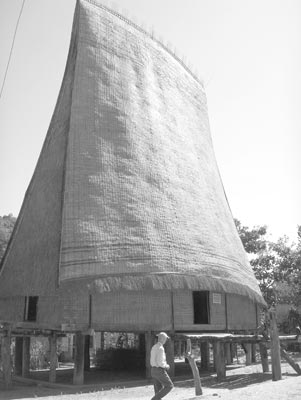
[162,382]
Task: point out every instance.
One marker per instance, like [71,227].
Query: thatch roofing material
[143,203]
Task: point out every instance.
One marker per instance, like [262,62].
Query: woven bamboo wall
[75,308]
[12,308]
[183,311]
[132,311]
[242,313]
[49,311]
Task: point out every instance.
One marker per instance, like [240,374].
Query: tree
[287,271]
[7,223]
[253,239]
[277,266]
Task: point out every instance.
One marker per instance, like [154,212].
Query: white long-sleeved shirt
[157,356]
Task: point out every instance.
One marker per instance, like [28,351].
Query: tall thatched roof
[126,192]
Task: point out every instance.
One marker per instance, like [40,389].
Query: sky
[248,54]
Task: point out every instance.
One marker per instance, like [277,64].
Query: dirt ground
[241,383]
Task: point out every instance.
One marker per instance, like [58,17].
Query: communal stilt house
[125,225]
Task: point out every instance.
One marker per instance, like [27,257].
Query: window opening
[31,308]
[201,307]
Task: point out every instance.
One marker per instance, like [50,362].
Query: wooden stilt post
[248,351]
[205,356]
[53,357]
[87,353]
[219,357]
[253,351]
[148,346]
[275,348]
[26,356]
[18,355]
[6,359]
[78,374]
[195,370]
[182,348]
[170,356]
[232,349]
[102,340]
[290,361]
[228,353]
[264,357]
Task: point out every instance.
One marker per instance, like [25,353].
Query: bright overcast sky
[248,53]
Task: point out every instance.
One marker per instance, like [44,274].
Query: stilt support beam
[205,355]
[228,353]
[264,357]
[26,356]
[18,355]
[253,349]
[195,370]
[53,357]
[219,360]
[6,359]
[248,351]
[170,357]
[290,361]
[87,353]
[148,347]
[275,349]
[79,359]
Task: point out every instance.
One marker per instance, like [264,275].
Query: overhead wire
[11,49]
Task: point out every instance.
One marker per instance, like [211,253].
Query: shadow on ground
[97,381]
[231,382]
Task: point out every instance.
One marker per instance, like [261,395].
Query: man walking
[159,367]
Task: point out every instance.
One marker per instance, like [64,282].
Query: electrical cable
[11,49]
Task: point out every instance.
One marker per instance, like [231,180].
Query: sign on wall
[216,298]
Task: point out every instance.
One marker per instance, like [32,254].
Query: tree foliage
[7,223]
[276,265]
[252,239]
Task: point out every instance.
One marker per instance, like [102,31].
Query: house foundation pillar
[18,355]
[53,357]
[219,360]
[26,356]
[79,359]
[87,353]
[205,355]
[148,346]
[170,356]
[6,359]
[228,354]
[248,351]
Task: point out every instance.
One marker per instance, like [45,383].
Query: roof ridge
[150,34]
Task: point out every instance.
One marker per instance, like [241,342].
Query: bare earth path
[241,384]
